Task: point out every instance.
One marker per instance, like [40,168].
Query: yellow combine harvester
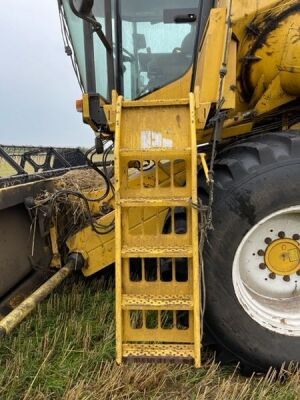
[201,215]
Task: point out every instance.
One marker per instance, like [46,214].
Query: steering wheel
[177,50]
[130,55]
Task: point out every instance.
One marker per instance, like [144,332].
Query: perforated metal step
[157,251]
[159,302]
[163,202]
[159,350]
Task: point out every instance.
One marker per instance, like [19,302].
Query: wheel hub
[282,257]
[266,272]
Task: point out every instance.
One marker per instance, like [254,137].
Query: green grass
[66,351]
[7,170]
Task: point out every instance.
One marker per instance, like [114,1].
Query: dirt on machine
[191,190]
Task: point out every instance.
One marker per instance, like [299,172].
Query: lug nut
[272,276]
[281,235]
[296,236]
[268,240]
[261,253]
[262,266]
[287,278]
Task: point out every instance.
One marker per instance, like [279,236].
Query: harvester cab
[132,47]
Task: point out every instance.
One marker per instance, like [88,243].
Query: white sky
[38,88]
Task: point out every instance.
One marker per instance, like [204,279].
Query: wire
[60,198]
[148,167]
[106,228]
[89,156]
[109,186]
[105,156]
[218,123]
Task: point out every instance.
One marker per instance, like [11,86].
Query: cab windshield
[152,44]
[158,39]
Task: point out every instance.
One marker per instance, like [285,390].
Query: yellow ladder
[157,261]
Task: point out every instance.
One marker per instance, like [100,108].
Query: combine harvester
[200,100]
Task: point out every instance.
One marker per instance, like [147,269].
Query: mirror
[180,15]
[82,7]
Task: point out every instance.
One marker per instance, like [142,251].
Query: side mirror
[181,15]
[82,8]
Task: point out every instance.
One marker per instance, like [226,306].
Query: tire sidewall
[236,210]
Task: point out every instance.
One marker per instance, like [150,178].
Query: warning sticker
[155,140]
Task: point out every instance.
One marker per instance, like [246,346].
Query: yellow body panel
[211,57]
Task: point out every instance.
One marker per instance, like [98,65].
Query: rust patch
[17,300]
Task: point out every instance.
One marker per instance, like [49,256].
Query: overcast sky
[38,88]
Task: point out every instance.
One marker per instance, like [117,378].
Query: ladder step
[168,352]
[161,202]
[163,153]
[148,302]
[156,103]
[157,252]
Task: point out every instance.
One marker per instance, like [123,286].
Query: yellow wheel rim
[283,257]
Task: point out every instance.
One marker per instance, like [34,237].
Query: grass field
[7,170]
[66,351]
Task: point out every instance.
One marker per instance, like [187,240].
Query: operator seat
[167,67]
[187,45]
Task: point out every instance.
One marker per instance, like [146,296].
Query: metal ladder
[157,258]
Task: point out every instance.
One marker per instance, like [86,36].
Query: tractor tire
[252,312]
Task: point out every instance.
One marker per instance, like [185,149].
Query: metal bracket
[203,163]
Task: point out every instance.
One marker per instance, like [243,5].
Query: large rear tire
[252,311]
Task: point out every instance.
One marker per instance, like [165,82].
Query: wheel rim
[266,272]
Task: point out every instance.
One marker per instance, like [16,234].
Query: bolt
[272,276]
[268,240]
[286,278]
[261,253]
[262,266]
[281,235]
[296,236]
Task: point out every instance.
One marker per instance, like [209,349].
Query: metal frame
[55,163]
[119,53]
[88,32]
[203,15]
[18,168]
[106,39]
